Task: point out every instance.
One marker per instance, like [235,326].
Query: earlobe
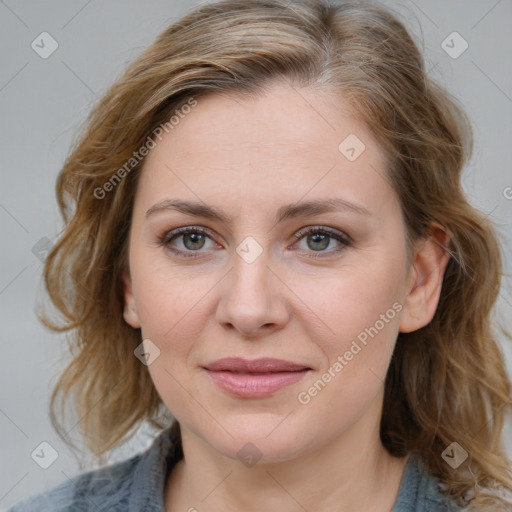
[130,314]
[426,279]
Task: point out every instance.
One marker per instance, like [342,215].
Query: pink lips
[254,379]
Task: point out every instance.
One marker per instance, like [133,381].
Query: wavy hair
[447,381]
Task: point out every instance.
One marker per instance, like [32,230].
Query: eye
[193,241]
[322,240]
[187,240]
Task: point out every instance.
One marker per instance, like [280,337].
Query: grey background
[43,103]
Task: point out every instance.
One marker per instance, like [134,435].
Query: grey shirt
[137,485]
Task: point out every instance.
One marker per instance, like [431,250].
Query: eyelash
[342,238]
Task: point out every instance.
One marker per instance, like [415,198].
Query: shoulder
[91,491]
[132,485]
[421,492]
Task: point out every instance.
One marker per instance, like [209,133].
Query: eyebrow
[286,212]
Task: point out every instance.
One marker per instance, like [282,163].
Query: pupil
[321,240]
[195,240]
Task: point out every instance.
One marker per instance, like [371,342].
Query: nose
[253,300]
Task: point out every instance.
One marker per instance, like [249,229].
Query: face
[260,231]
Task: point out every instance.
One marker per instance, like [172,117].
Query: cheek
[173,307]
[359,297]
[364,315]
[171,312]
[166,307]
[161,297]
[361,307]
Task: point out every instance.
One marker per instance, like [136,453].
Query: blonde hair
[447,381]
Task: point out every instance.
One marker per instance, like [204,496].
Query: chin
[262,441]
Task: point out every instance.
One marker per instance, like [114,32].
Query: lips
[263,365]
[254,379]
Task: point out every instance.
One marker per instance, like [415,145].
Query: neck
[343,476]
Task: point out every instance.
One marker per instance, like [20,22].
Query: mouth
[254,379]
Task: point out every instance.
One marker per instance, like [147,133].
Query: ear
[130,314]
[425,279]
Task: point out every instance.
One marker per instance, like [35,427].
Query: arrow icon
[454,455]
[41,249]
[44,455]
[44,45]
[147,352]
[454,45]
[249,249]
[351,147]
[249,455]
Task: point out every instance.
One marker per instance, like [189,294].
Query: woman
[266,236]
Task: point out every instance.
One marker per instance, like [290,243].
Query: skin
[248,158]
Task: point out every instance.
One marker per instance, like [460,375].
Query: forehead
[287,140]
[279,121]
